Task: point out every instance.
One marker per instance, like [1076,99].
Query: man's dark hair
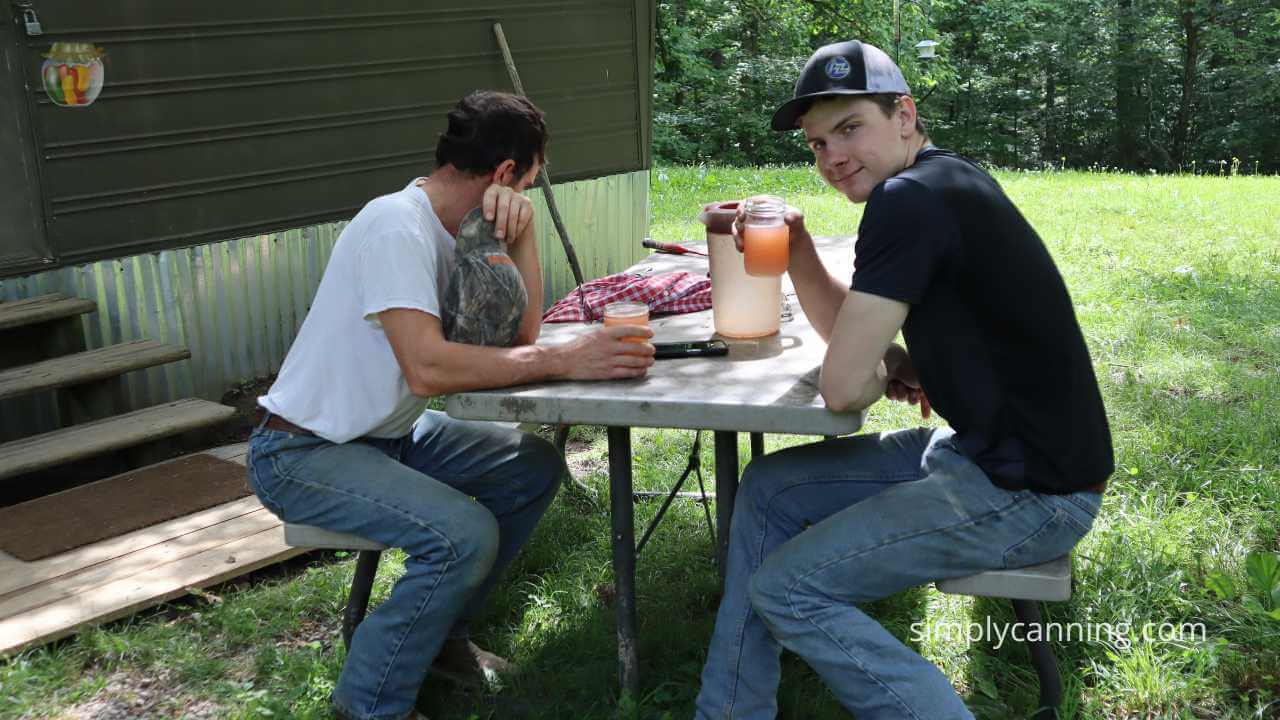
[888,102]
[487,127]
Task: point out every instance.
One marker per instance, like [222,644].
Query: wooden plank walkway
[87,366]
[51,598]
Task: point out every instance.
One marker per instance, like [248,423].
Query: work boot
[466,663]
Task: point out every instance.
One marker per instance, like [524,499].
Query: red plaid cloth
[665,294]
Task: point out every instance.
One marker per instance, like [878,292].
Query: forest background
[1139,85]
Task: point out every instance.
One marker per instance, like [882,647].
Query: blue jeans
[459,497]
[821,527]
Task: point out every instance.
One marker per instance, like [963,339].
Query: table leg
[622,515]
[757,445]
[726,491]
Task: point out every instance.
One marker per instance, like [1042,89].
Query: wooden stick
[544,181]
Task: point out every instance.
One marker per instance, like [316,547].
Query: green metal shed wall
[225,119]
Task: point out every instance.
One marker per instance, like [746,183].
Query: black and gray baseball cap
[844,68]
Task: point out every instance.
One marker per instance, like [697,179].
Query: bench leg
[1028,613]
[361,588]
[561,442]
[562,438]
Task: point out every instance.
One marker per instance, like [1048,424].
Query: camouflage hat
[485,298]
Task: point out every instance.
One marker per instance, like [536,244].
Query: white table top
[765,385]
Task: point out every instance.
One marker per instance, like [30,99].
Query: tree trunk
[1190,56]
[752,91]
[1049,139]
[1129,115]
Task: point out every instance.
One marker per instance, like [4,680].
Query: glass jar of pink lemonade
[627,313]
[765,237]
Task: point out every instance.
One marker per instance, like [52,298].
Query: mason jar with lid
[765,237]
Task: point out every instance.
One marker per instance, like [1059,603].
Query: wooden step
[88,439]
[87,366]
[44,308]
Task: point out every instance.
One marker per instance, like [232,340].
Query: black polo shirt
[991,329]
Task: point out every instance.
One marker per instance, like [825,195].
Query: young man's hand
[904,382]
[602,354]
[510,212]
[793,217]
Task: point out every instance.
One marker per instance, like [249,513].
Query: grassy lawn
[1176,282]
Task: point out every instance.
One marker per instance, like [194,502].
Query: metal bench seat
[1023,587]
[310,536]
[1049,581]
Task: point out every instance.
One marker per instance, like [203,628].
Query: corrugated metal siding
[606,219]
[238,304]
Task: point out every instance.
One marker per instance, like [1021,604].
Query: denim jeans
[459,497]
[821,527]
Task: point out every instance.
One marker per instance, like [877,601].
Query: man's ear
[906,115]
[505,173]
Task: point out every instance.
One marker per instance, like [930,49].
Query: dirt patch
[581,461]
[323,634]
[244,398]
[132,696]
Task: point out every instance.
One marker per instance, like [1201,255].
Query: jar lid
[765,205]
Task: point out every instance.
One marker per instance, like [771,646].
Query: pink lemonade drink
[627,313]
[766,249]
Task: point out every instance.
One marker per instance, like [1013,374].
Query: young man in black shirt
[992,343]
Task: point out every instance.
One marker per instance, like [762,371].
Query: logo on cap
[837,68]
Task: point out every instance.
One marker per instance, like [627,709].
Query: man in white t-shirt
[345,442]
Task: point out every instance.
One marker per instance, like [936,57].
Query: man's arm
[856,368]
[525,256]
[512,215]
[821,295]
[434,366]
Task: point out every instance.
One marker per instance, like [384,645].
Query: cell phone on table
[700,348]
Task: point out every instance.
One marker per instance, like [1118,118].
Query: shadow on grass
[556,618]
[1004,682]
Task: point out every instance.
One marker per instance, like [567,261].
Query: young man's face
[854,145]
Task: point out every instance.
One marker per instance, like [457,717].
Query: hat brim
[788,116]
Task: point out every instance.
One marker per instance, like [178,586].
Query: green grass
[1175,280]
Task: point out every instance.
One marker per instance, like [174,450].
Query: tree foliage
[1166,85]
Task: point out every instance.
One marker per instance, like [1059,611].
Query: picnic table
[766,385]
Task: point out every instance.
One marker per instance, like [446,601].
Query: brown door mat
[141,498]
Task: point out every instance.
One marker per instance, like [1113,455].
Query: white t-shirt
[340,378]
